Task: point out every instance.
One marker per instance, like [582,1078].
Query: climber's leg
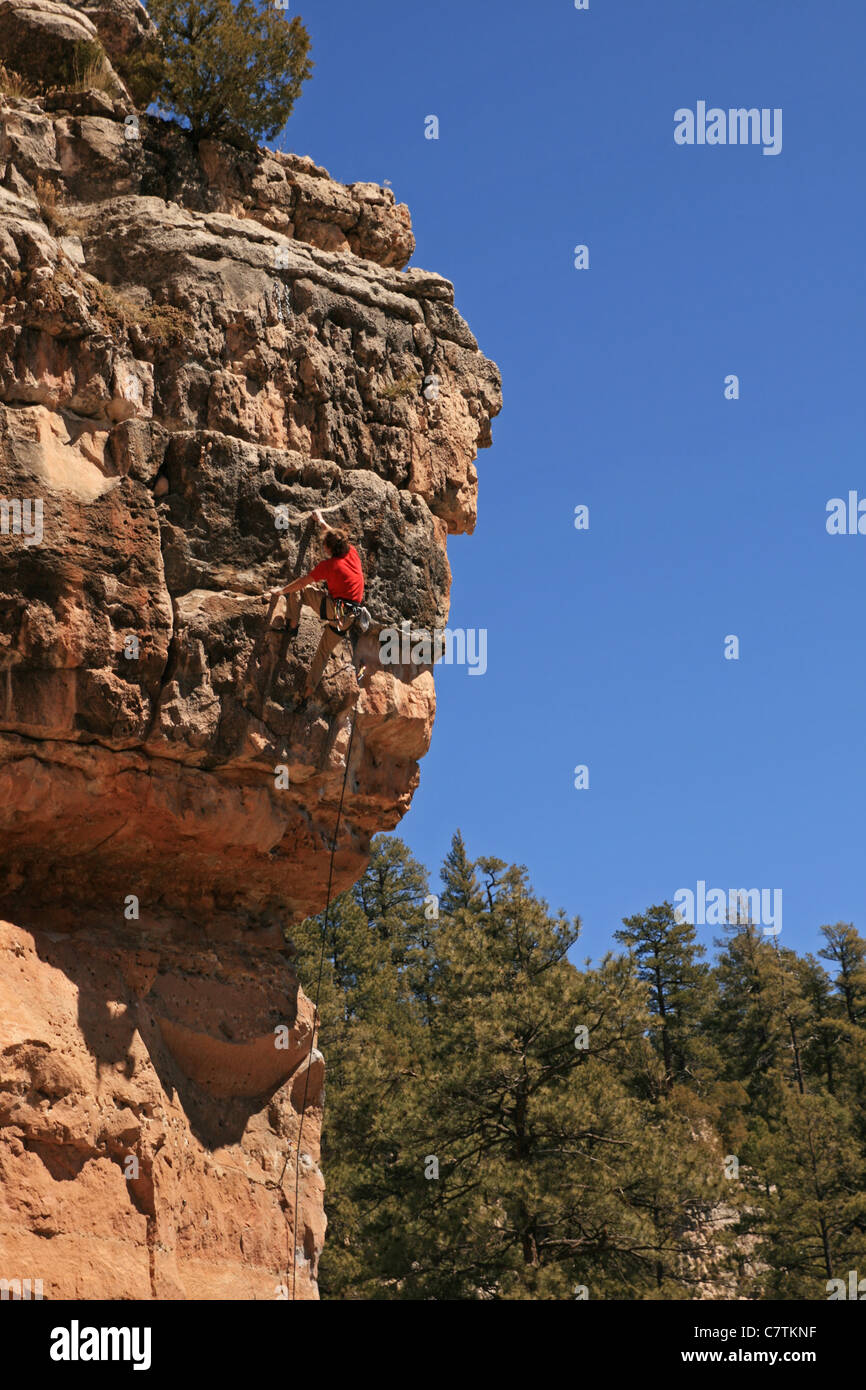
[311,596]
[330,639]
[293,611]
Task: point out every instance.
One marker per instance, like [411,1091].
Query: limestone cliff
[197,348]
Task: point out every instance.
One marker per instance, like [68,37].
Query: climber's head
[337,542]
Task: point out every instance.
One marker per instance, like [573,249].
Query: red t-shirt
[344,577]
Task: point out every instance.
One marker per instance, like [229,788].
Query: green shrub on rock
[231,70]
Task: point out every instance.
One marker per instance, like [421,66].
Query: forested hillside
[502,1123]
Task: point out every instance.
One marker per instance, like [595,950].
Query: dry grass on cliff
[66,293]
[60,222]
[161,324]
[11,85]
[86,70]
[405,386]
[91,71]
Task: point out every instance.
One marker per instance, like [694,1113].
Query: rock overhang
[182,380]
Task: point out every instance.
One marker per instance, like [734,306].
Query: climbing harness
[346,613]
[352,721]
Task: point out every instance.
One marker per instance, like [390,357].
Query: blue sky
[707,516]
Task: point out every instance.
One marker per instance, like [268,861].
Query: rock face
[197,348]
[142,1149]
[44,40]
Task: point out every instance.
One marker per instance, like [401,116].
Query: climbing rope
[360,677]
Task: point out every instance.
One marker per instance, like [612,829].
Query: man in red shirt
[334,589]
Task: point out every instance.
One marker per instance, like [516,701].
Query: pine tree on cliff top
[230,68]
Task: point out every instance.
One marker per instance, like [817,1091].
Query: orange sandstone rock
[146,1115]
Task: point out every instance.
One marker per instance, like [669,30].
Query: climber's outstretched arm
[305,579]
[296,584]
[322,523]
[273,595]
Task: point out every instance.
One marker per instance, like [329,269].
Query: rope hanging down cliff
[352,722]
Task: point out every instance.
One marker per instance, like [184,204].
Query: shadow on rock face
[149,1114]
[219,1036]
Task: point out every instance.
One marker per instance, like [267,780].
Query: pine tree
[670,959]
[502,1124]
[813,1219]
[373,1038]
[760,1013]
[823,1052]
[233,70]
[847,948]
[803,1170]
[551,1177]
[459,879]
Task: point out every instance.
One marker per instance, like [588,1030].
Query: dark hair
[338,543]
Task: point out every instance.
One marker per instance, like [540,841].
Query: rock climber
[334,589]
